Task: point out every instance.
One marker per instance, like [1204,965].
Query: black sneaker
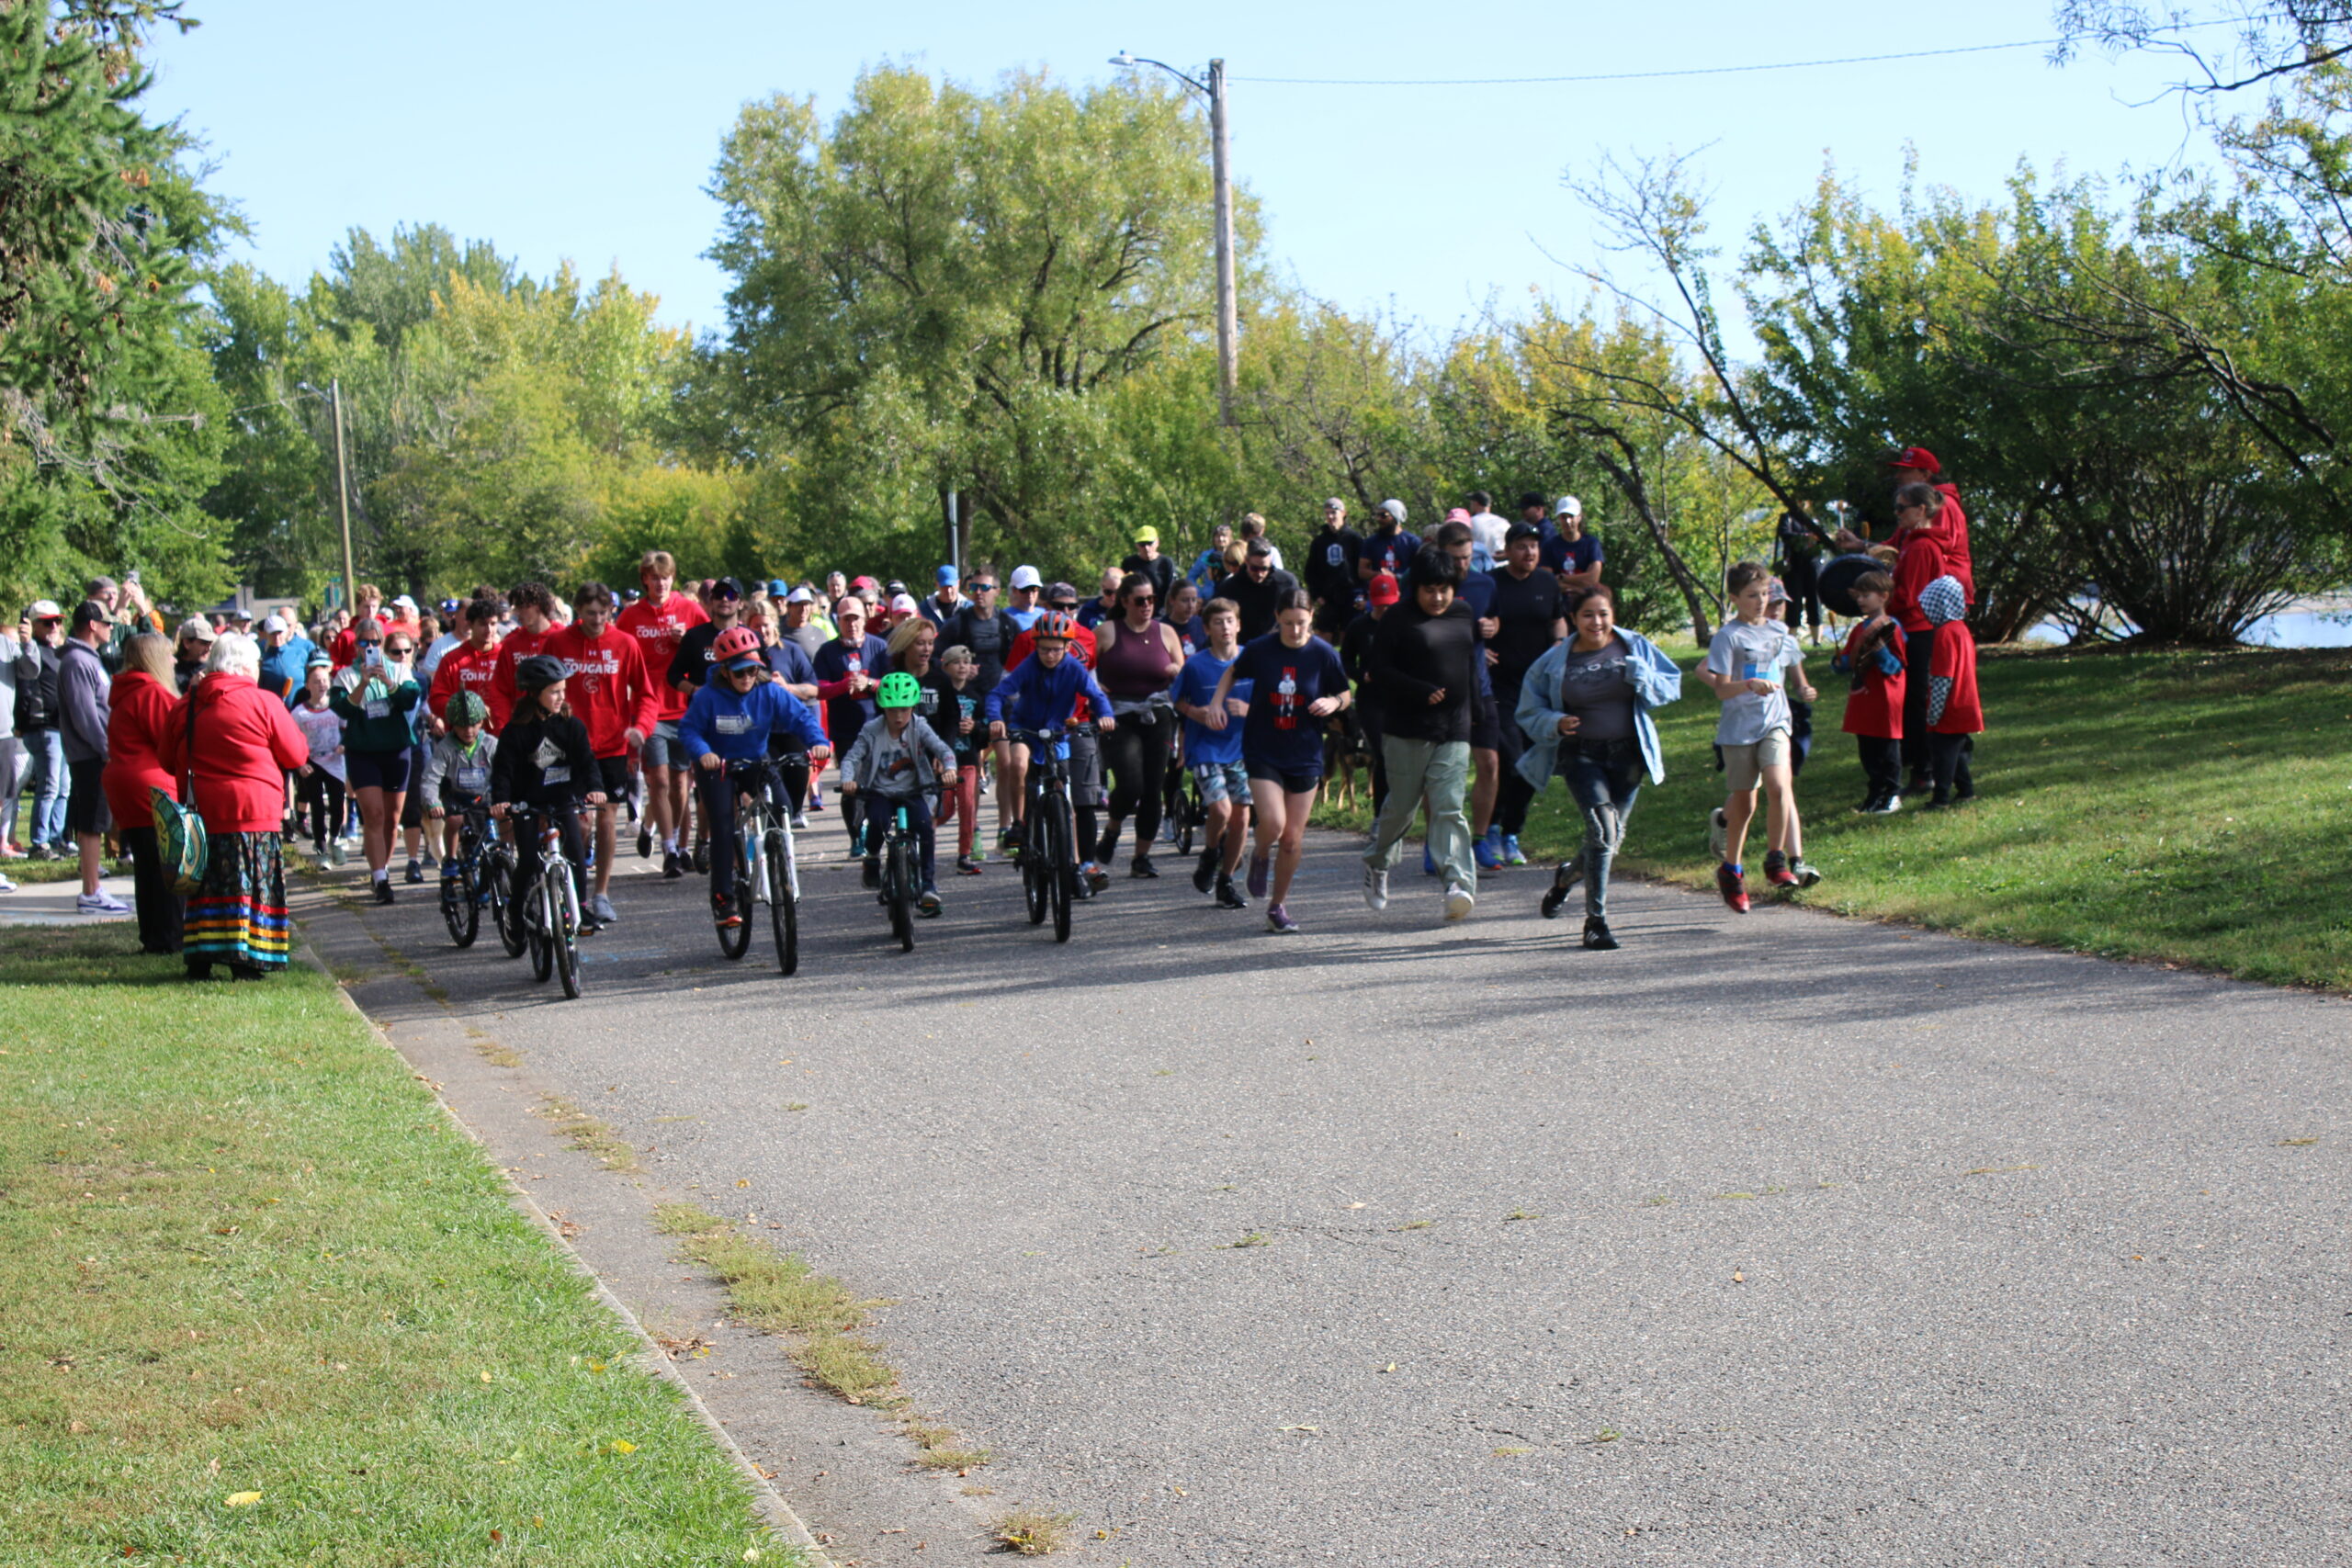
[644,841]
[1563,882]
[873,871]
[1141,868]
[1228,897]
[415,876]
[384,890]
[702,859]
[1204,874]
[1596,935]
[671,869]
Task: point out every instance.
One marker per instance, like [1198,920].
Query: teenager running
[1296,683]
[734,716]
[1530,617]
[660,621]
[1215,753]
[1425,665]
[617,699]
[535,622]
[471,666]
[1136,656]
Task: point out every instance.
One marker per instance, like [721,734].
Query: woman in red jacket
[145,699]
[243,742]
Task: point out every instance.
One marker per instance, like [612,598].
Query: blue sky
[587,130]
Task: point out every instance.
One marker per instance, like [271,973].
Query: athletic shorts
[1486,724]
[1086,772]
[1744,765]
[1289,783]
[611,773]
[412,807]
[1221,783]
[85,799]
[387,771]
[662,746]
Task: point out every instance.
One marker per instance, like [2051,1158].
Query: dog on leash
[1347,753]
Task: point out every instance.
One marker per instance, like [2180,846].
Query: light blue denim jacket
[1657,680]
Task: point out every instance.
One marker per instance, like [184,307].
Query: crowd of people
[1463,670]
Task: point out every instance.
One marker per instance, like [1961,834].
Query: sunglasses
[396,648]
[984,587]
[1143,598]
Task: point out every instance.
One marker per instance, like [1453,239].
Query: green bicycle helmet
[465,708]
[899,690]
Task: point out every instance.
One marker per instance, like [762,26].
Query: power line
[1656,75]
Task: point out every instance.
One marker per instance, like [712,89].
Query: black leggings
[526,857]
[1135,755]
[1921,650]
[1949,758]
[159,905]
[323,795]
[1517,794]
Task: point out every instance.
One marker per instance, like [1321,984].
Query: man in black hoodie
[1424,667]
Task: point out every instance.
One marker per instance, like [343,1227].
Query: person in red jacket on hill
[239,742]
[471,666]
[535,622]
[610,691]
[1948,524]
[141,704]
[1955,715]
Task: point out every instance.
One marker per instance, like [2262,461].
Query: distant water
[2307,627]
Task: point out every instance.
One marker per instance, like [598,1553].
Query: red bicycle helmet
[1056,623]
[734,643]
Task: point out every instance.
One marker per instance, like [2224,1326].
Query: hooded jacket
[1657,680]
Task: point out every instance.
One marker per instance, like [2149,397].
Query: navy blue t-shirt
[1280,736]
[1562,555]
[1391,553]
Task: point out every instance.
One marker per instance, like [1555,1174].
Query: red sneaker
[1780,875]
[1733,888]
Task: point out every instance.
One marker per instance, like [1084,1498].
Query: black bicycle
[549,909]
[767,868]
[899,854]
[477,880]
[1048,832]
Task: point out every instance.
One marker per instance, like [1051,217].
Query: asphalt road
[1779,1239]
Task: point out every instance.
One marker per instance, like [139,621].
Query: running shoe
[99,903]
[415,876]
[1375,888]
[964,866]
[1718,835]
[1511,853]
[644,840]
[722,912]
[1007,842]
[431,862]
[1205,874]
[927,902]
[1733,888]
[1141,869]
[873,876]
[1097,879]
[1459,902]
[1886,806]
[1563,882]
[1278,920]
[1488,852]
[337,854]
[1777,873]
[1260,869]
[6,886]
[671,869]
[1597,936]
[384,890]
[800,821]
[1804,871]
[600,909]
[702,859]
[1228,897]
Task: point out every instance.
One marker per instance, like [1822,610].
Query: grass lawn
[261,1304]
[2184,807]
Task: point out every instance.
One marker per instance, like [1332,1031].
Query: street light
[342,485]
[1214,90]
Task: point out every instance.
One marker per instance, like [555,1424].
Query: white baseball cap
[273,622]
[44,610]
[1026,577]
[405,602]
[800,595]
[1568,507]
[904,604]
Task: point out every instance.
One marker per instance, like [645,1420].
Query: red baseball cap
[1918,457]
[1383,588]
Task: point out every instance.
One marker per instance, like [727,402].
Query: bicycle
[479,880]
[549,912]
[767,868]
[1048,833]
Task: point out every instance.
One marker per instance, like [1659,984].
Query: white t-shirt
[325,732]
[1763,652]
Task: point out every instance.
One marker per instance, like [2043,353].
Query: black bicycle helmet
[537,672]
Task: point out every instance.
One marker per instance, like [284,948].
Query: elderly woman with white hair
[239,742]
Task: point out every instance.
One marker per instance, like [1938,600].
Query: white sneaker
[6,886]
[99,903]
[1718,834]
[1459,902]
[1376,889]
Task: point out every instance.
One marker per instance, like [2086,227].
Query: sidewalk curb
[766,1499]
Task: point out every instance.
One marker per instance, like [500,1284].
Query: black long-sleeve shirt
[1414,654]
[543,762]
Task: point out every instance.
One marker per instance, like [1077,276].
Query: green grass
[242,1251]
[2182,807]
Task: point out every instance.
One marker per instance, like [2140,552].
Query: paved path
[1774,1240]
[52,902]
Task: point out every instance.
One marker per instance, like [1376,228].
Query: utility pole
[1221,165]
[343,497]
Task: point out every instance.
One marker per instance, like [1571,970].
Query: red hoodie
[245,744]
[138,707]
[517,644]
[464,668]
[607,686]
[659,628]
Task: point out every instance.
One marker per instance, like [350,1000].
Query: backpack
[181,843]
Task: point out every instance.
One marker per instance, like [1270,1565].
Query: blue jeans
[46,778]
[1604,776]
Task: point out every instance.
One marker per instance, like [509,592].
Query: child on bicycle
[545,763]
[1038,695]
[898,762]
[733,719]
[457,778]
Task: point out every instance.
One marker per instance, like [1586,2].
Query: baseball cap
[1383,589]
[1778,594]
[861,585]
[1519,531]
[1061,593]
[1918,457]
[320,659]
[1568,507]
[196,626]
[904,604]
[405,602]
[1026,577]
[1147,536]
[947,574]
[273,622]
[800,595]
[893,588]
[727,588]
[777,588]
[1395,509]
[1458,515]
[44,610]
[1333,504]
[90,613]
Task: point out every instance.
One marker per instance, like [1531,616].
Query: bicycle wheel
[783,911]
[894,888]
[736,939]
[1063,883]
[1035,866]
[506,912]
[540,919]
[566,936]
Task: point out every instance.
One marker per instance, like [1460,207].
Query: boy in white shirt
[1751,664]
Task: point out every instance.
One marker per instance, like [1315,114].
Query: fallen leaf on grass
[241,1499]
[623,1446]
